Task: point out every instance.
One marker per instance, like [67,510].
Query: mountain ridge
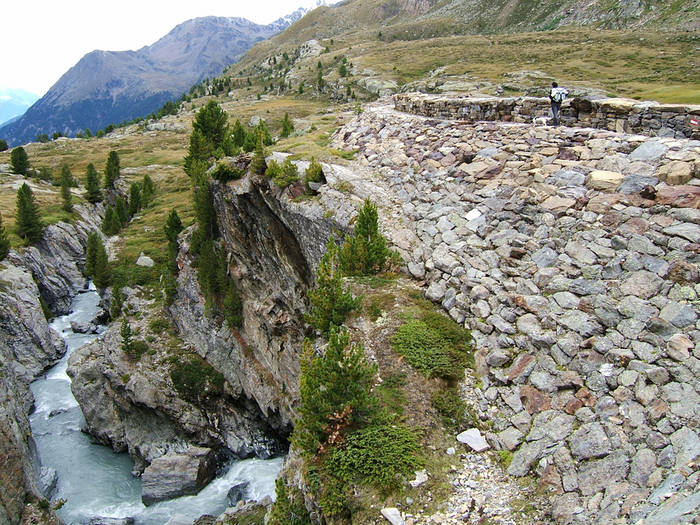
[107,87]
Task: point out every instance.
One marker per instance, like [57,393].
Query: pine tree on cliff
[199,152]
[127,337]
[102,274]
[4,241]
[258,165]
[27,221]
[66,183]
[92,185]
[111,169]
[121,212]
[93,240]
[211,121]
[173,226]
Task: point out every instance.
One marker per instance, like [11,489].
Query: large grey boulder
[175,475]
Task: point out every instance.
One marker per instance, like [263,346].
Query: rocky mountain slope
[108,87]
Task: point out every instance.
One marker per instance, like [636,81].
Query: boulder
[237,493]
[605,180]
[174,475]
[145,260]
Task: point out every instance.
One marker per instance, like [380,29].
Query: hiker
[557,96]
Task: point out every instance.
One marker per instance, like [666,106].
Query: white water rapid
[92,479]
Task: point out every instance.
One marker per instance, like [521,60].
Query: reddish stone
[656,410]
[533,400]
[551,480]
[572,406]
[635,225]
[684,196]
[567,154]
[586,397]
[610,219]
[603,202]
[520,366]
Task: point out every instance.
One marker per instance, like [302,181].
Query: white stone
[145,260]
[393,516]
[421,477]
[474,439]
[473,214]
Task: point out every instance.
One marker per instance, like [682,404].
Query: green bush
[380,455]
[195,379]
[224,171]
[314,173]
[289,174]
[273,169]
[452,409]
[287,510]
[435,345]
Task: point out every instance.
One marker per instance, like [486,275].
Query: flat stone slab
[474,439]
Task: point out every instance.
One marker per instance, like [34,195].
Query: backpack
[559,94]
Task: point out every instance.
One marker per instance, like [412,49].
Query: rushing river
[92,479]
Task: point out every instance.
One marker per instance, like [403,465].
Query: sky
[41,39]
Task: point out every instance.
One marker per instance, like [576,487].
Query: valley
[524,350]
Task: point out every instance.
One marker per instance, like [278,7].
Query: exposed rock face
[28,345]
[274,245]
[56,262]
[174,475]
[132,405]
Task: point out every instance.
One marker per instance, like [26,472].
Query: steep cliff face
[272,245]
[27,346]
[51,270]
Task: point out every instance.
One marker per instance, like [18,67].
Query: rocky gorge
[571,253]
[42,277]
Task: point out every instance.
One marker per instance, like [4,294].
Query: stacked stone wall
[572,254]
[613,114]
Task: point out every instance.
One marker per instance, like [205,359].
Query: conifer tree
[258,165]
[4,241]
[111,169]
[66,183]
[330,302]
[328,384]
[19,161]
[93,241]
[127,337]
[211,122]
[116,301]
[27,221]
[134,198]
[121,210]
[102,274]
[92,185]
[173,226]
[365,251]
[148,189]
[111,223]
[200,151]
[287,126]
[3,145]
[238,133]
[203,208]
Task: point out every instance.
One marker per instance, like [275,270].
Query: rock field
[572,254]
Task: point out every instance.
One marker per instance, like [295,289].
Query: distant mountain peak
[108,87]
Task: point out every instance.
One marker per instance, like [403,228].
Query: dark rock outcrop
[174,475]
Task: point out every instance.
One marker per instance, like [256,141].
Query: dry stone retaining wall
[614,114]
[573,257]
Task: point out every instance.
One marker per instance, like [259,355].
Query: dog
[541,121]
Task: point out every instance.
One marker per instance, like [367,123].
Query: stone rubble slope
[572,254]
